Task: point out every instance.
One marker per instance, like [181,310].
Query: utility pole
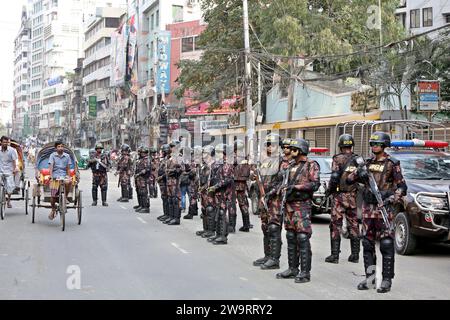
[250,123]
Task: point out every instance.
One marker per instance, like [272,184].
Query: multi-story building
[98,30]
[418,16]
[22,59]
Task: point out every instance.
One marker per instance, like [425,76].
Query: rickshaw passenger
[8,158]
[60,163]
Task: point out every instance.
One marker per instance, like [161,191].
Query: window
[152,22]
[187,44]
[157,18]
[447,18]
[415,18]
[177,13]
[107,41]
[401,18]
[427,17]
[197,45]
[112,22]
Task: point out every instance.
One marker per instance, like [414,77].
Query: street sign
[205,126]
[428,95]
[93,106]
[163,74]
[236,120]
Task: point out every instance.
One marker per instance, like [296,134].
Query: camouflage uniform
[162,182]
[391,184]
[173,186]
[142,175]
[344,205]
[193,189]
[222,181]
[99,176]
[242,174]
[153,191]
[125,170]
[206,202]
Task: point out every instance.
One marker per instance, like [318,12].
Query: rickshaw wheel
[33,210]
[79,206]
[27,193]
[2,202]
[62,207]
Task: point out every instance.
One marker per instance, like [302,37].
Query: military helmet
[239,145]
[98,146]
[210,150]
[346,140]
[286,142]
[273,138]
[300,144]
[165,148]
[174,143]
[125,148]
[153,150]
[380,137]
[145,150]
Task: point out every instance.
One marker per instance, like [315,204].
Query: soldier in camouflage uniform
[241,176]
[162,181]
[143,170]
[221,185]
[208,206]
[125,171]
[154,159]
[344,200]
[173,185]
[196,155]
[388,176]
[100,165]
[303,181]
[269,169]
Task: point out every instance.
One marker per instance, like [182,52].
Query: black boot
[304,246]
[246,223]
[388,253]
[216,226]
[139,206]
[190,215]
[104,192]
[194,209]
[354,247]
[232,224]
[164,203]
[124,197]
[293,256]
[370,262]
[205,223]
[266,244]
[94,196]
[176,213]
[130,192]
[275,248]
[223,228]
[170,211]
[145,204]
[335,250]
[210,217]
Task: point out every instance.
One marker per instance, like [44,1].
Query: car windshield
[324,163]
[425,166]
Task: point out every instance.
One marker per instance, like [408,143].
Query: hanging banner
[118,56]
[163,75]
[93,106]
[428,95]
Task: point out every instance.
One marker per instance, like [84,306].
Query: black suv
[425,213]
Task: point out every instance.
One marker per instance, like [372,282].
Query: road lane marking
[123,208]
[243,279]
[142,220]
[178,247]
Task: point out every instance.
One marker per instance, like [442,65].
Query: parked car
[425,213]
[325,173]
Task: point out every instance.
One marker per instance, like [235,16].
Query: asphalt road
[122,255]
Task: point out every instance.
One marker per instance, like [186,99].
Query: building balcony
[99,74]
[100,54]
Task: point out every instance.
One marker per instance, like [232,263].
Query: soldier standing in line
[387,175]
[154,159]
[344,200]
[173,185]
[99,165]
[162,181]
[125,171]
[221,185]
[303,181]
[143,170]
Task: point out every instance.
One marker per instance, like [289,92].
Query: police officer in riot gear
[162,181]
[99,164]
[344,200]
[386,172]
[125,171]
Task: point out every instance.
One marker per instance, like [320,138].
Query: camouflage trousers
[174,190]
[272,216]
[163,189]
[100,180]
[141,186]
[344,205]
[205,200]
[193,194]
[124,179]
[242,200]
[298,217]
[374,229]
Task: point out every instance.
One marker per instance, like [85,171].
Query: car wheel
[405,241]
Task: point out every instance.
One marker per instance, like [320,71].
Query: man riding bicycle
[8,158]
[60,163]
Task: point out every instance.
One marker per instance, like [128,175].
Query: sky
[10,15]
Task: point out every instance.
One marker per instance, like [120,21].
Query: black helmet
[286,142]
[346,140]
[125,148]
[145,150]
[380,137]
[153,150]
[273,138]
[209,150]
[300,144]
[165,148]
[98,146]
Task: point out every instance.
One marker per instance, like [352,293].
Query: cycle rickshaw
[21,191]
[41,190]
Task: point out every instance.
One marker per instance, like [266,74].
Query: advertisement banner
[93,106]
[163,75]
[118,58]
[429,92]
[205,126]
